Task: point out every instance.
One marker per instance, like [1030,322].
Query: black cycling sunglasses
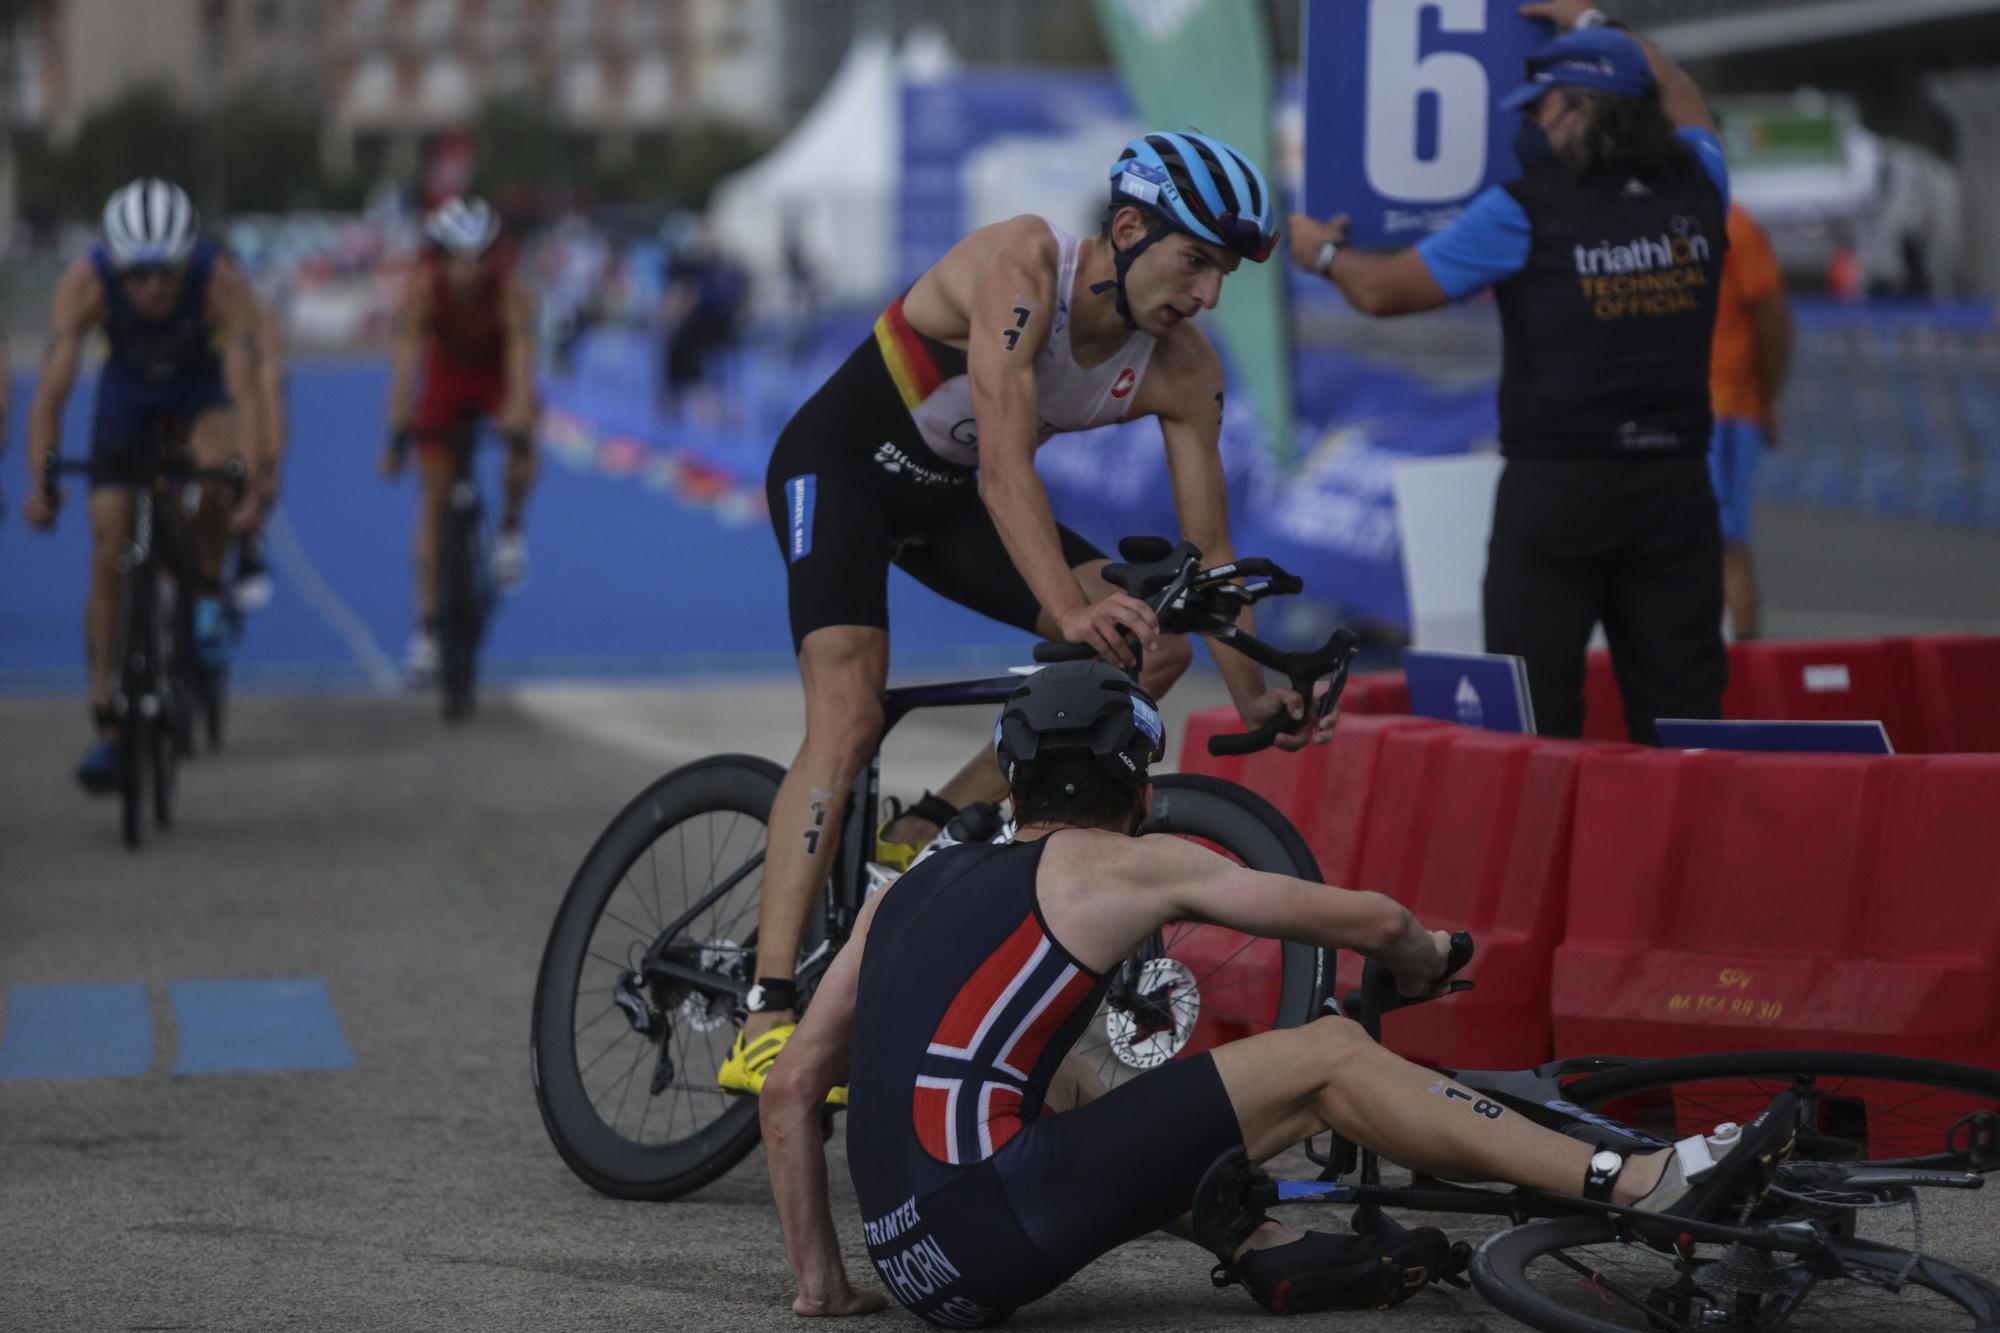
[137,273]
[1246,236]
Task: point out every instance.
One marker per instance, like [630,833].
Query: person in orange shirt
[1752,353]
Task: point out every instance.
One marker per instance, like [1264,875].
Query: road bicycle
[465,589]
[161,680]
[1840,1240]
[642,982]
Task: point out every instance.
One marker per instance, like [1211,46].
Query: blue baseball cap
[1600,57]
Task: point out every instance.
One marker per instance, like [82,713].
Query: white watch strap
[1324,259]
[1591,18]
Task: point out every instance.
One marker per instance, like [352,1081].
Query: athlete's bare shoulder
[940,302]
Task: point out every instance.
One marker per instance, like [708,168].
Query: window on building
[436,21]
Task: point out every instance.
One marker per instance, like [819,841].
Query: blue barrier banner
[1776,737]
[1403,118]
[1486,690]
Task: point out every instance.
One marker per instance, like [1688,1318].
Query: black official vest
[1607,328]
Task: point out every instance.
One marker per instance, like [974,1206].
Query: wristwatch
[1591,18]
[1324,259]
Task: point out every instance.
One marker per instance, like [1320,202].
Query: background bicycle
[161,682]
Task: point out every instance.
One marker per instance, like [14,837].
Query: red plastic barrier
[1725,901]
[1834,680]
[1957,680]
[1375,692]
[1333,824]
[1194,756]
[1488,850]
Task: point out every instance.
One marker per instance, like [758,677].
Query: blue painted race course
[631,573]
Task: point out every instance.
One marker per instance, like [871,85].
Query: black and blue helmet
[1080,708]
[1191,183]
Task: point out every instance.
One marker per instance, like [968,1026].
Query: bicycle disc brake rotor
[706,1013]
[1156,1029]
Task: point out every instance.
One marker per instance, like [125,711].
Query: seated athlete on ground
[177,318]
[468,327]
[989,1163]
[921,451]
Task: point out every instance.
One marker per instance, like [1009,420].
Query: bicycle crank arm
[1891,1179]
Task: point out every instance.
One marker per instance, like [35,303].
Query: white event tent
[833,180]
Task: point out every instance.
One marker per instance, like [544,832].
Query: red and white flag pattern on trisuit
[968,1097]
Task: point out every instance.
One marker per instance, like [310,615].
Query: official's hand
[1562,13]
[37,510]
[1308,234]
[1097,626]
[846,1301]
[1423,974]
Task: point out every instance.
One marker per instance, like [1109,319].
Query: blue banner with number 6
[1403,119]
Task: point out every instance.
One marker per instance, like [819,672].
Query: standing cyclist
[468,324]
[988,1160]
[177,318]
[921,451]
[1605,255]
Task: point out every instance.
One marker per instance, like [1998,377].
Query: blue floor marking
[234,1027]
[76,1032]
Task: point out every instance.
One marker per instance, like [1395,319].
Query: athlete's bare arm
[79,307]
[235,317]
[271,367]
[517,413]
[1103,893]
[814,1061]
[406,359]
[995,295]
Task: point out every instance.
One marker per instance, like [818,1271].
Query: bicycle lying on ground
[161,682]
[642,982]
[1839,1240]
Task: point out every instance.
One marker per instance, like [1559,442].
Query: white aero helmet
[150,221]
[464,226]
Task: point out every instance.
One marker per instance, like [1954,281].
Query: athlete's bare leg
[1740,592]
[1293,1083]
[434,471]
[845,668]
[980,780]
[110,531]
[523,466]
[212,442]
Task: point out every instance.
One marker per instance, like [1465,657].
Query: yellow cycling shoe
[744,1072]
[895,855]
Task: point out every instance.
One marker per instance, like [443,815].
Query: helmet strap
[1121,260]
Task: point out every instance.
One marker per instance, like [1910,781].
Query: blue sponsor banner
[1488,690]
[949,124]
[1776,737]
[1403,118]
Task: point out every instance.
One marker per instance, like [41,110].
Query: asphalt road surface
[311,1106]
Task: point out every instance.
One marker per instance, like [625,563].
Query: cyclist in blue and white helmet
[1194,184]
[150,222]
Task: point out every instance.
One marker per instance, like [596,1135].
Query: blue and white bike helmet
[1196,184]
[149,221]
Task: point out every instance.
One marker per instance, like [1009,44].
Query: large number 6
[1399,75]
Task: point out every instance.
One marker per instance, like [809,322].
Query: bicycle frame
[857,838]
